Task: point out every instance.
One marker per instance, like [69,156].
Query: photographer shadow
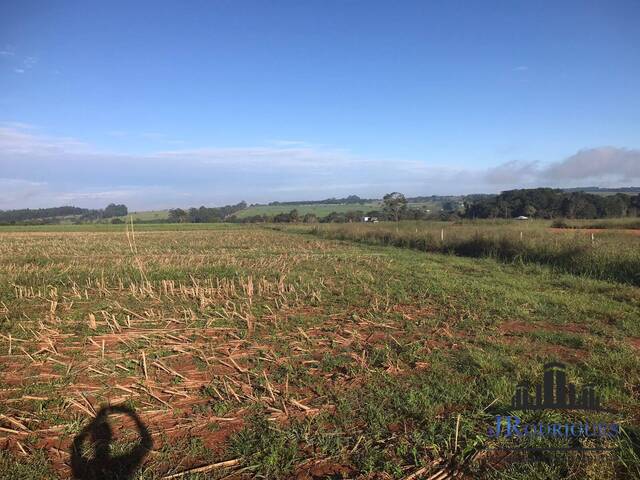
[103,465]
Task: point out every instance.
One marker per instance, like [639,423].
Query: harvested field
[253,352]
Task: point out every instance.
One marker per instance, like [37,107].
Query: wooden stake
[144,366]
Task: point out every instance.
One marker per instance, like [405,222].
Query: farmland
[304,352]
[607,252]
[322,210]
[148,216]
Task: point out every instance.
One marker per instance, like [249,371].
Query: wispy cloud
[605,163]
[19,63]
[274,157]
[44,170]
[157,137]
[7,52]
[20,138]
[604,166]
[514,172]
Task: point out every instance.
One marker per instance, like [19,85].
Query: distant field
[147,216]
[323,210]
[320,210]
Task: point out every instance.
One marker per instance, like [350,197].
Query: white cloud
[20,138]
[605,163]
[19,63]
[260,156]
[601,166]
[60,170]
[15,192]
[513,172]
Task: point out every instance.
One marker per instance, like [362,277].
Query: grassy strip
[623,223]
[618,262]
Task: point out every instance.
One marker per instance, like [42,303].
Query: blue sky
[160,104]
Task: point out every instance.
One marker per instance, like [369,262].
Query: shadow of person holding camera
[103,465]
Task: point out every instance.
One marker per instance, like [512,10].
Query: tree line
[394,206]
[553,203]
[57,214]
[350,200]
[546,203]
[204,214]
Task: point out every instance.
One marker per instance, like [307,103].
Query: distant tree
[114,210]
[334,217]
[394,204]
[529,211]
[353,216]
[551,203]
[568,207]
[449,215]
[281,218]
[634,205]
[178,215]
[294,216]
[310,218]
[616,205]
[45,214]
[450,206]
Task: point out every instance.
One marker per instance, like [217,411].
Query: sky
[160,104]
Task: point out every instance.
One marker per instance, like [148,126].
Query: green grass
[147,215]
[611,256]
[319,210]
[322,210]
[402,355]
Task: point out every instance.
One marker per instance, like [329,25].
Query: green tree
[114,210]
[178,215]
[529,211]
[394,205]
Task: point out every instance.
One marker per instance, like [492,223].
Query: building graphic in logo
[555,393]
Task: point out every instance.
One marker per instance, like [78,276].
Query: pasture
[322,210]
[250,351]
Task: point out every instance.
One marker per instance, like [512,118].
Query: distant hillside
[351,199]
[600,190]
[318,209]
[65,214]
[28,214]
[427,204]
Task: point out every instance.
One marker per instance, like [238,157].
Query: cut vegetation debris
[251,352]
